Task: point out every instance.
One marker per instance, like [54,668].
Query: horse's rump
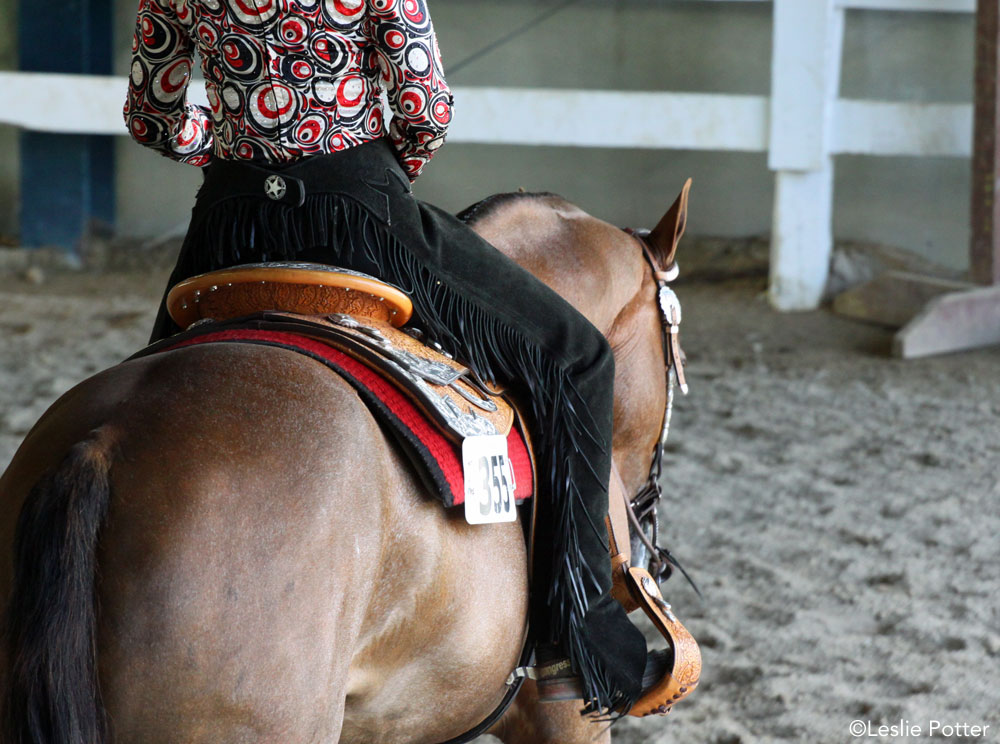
[255,507]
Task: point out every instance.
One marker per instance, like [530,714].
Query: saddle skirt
[426,401]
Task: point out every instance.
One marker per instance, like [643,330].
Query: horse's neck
[600,270]
[570,251]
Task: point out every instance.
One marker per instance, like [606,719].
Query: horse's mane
[492,204]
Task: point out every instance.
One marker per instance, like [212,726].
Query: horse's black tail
[52,694]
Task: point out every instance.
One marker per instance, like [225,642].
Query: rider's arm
[157,112]
[414,81]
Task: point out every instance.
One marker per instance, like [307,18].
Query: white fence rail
[801,127]
[86,104]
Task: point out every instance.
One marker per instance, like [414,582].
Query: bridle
[642,509]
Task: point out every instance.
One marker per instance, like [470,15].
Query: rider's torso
[284,78]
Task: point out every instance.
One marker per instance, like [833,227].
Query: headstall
[642,512]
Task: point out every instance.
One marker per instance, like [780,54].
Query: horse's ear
[665,236]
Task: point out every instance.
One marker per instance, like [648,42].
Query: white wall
[920,204]
[624,45]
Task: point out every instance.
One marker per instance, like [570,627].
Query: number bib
[489,480]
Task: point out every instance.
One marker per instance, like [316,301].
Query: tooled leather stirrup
[683,676]
[635,588]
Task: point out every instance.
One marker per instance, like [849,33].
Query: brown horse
[219,544]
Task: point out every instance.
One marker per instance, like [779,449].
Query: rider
[294,88]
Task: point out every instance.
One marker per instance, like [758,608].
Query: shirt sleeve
[413,76]
[156,111]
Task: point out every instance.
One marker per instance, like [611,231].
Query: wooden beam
[596,118]
[915,6]
[953,322]
[805,75]
[902,128]
[91,104]
[519,116]
[893,298]
[984,251]
[69,103]
[801,238]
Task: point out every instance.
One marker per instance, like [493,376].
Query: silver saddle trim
[424,375]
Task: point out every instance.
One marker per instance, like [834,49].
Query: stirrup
[557,682]
[634,588]
[681,675]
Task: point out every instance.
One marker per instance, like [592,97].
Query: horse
[219,544]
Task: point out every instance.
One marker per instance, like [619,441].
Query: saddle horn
[667,234]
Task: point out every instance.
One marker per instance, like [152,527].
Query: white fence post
[805,78]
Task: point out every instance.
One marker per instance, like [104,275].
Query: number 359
[497,492]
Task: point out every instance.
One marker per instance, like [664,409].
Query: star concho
[275,187]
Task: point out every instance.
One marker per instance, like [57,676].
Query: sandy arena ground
[838,508]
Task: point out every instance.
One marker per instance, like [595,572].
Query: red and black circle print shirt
[287,79]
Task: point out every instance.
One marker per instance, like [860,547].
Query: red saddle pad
[438,460]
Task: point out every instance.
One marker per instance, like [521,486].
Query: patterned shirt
[287,78]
